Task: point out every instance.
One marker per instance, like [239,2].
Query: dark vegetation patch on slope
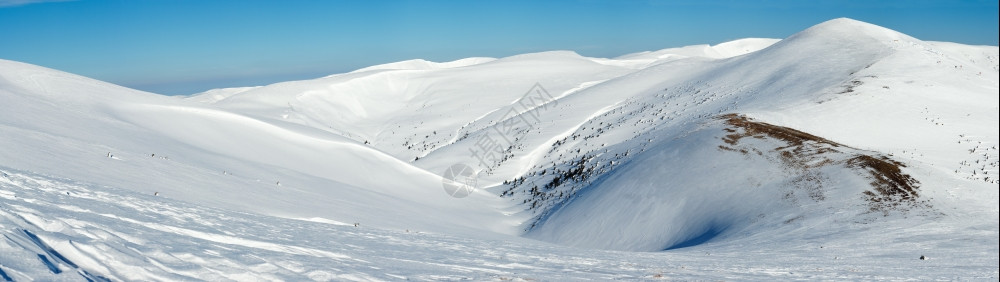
[755,129]
[891,188]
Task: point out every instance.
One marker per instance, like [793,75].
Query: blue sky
[188,46]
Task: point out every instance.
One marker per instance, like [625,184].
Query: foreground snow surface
[846,151]
[58,229]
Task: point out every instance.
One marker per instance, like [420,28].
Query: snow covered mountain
[844,151]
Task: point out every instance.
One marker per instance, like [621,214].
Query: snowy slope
[719,51]
[181,150]
[818,81]
[408,109]
[88,231]
[845,151]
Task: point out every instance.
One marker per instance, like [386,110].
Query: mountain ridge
[845,135]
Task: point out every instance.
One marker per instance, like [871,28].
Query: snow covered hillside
[845,151]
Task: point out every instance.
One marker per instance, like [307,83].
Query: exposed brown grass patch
[891,186]
[803,153]
[762,129]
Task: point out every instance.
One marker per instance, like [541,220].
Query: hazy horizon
[185,47]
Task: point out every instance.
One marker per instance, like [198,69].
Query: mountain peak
[846,29]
